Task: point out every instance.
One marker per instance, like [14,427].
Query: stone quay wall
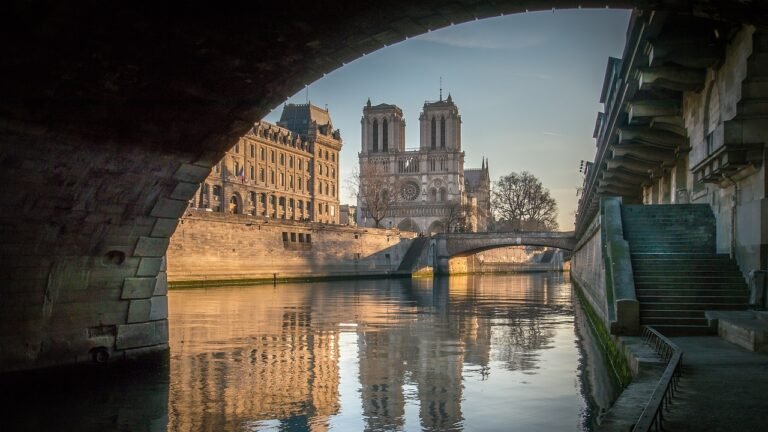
[226,248]
[588,269]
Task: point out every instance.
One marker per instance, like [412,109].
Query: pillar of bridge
[85,227]
[442,257]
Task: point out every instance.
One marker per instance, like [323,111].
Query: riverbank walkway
[723,387]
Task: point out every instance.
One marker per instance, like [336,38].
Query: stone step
[671,272]
[697,281]
[694,306]
[683,330]
[673,313]
[688,293]
[688,299]
[684,257]
[655,320]
[668,249]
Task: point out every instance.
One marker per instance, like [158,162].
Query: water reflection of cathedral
[417,343]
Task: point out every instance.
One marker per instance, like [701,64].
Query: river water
[474,353]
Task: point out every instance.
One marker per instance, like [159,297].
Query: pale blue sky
[527,87]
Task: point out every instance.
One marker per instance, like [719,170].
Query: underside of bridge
[110,114]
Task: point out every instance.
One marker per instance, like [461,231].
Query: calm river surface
[474,353]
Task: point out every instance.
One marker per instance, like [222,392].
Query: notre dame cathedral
[432,192]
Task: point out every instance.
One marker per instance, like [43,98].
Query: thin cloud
[482,40]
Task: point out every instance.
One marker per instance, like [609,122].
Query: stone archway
[121,132]
[235,204]
[408,224]
[436,227]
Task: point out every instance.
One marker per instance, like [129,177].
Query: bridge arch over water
[447,246]
[111,116]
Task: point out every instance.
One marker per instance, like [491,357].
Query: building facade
[427,187]
[287,171]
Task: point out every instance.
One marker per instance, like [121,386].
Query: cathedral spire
[441,89]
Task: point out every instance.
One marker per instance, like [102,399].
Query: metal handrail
[652,417]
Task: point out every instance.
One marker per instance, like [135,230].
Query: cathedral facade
[425,189]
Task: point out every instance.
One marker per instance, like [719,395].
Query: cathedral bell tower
[383,129]
[441,126]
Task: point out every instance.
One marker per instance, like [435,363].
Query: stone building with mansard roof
[285,171]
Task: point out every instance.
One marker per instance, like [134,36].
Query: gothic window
[301,164]
[309,185]
[290,181]
[272,177]
[442,194]
[290,161]
[333,172]
[261,174]
[282,179]
[433,194]
[333,157]
[253,172]
[333,189]
[300,183]
[442,132]
[375,135]
[253,150]
[262,153]
[385,135]
[272,156]
[433,135]
[282,159]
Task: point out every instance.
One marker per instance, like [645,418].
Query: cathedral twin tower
[432,191]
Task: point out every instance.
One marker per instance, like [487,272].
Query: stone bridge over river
[462,244]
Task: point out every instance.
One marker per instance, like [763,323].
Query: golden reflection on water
[455,353]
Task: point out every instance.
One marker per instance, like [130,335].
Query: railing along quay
[652,417]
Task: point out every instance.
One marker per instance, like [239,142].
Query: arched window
[442,194]
[433,135]
[433,194]
[375,135]
[385,135]
[234,205]
[442,132]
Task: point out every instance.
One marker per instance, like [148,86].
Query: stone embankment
[216,248]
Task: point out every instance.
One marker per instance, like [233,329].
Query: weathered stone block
[164,227]
[139,311]
[184,191]
[192,173]
[151,247]
[161,286]
[168,208]
[159,308]
[142,334]
[149,266]
[134,288]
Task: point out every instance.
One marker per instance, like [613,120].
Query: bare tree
[459,217]
[520,201]
[372,189]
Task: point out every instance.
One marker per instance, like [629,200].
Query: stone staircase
[411,258]
[678,275]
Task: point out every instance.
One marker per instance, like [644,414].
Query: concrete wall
[216,246]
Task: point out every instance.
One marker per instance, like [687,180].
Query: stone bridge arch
[451,245]
[111,116]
